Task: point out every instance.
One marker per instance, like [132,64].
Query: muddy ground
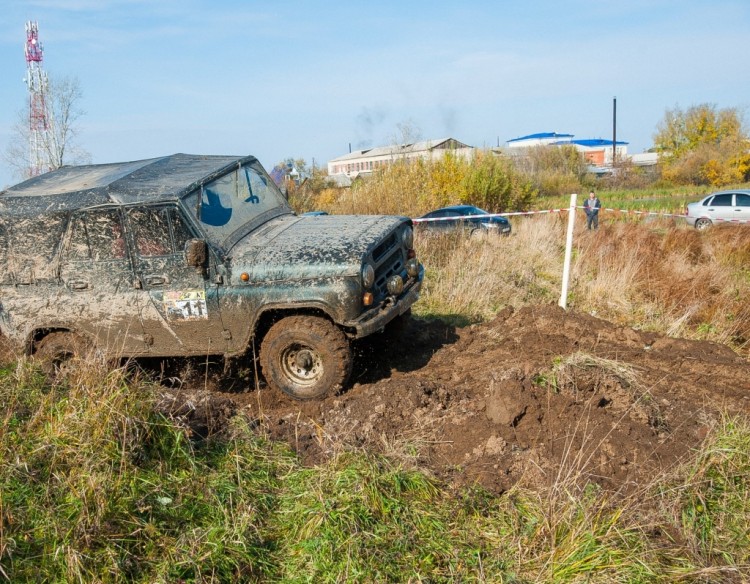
[480,404]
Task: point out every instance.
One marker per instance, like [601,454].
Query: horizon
[312,80]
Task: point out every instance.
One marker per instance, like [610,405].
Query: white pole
[568,251]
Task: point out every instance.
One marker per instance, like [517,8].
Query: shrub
[413,187]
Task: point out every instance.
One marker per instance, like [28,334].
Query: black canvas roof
[154,179]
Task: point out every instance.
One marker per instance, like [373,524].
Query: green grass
[656,199]
[97,486]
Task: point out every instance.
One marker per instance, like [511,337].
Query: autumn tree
[703,145]
[62,99]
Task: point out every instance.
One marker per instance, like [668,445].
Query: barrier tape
[681,215]
[487,216]
[517,213]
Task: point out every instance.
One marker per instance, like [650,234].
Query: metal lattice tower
[36,81]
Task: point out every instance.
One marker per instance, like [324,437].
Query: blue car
[467,217]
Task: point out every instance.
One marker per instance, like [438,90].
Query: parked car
[466,217]
[197,255]
[719,207]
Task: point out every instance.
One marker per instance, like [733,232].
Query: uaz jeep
[197,255]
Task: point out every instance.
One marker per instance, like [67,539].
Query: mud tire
[306,357]
[57,351]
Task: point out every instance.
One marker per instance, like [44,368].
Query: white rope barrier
[543,211]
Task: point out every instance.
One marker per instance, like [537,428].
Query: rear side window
[722,201]
[97,236]
[29,247]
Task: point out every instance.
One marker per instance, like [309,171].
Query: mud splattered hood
[298,248]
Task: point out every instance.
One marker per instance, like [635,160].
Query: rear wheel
[703,223]
[57,351]
[306,357]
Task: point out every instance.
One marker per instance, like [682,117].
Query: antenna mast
[36,81]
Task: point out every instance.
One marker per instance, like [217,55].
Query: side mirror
[196,253]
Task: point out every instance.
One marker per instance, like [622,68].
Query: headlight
[412,267]
[408,238]
[368,275]
[395,285]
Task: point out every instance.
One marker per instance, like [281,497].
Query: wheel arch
[271,314]
[39,333]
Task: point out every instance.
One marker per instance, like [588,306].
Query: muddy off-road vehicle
[191,255]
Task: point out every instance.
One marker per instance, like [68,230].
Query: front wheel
[703,223]
[306,357]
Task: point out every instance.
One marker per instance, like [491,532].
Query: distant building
[597,151]
[363,162]
[543,139]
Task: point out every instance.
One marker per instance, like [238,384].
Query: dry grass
[657,275]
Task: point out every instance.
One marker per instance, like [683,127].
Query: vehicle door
[443,224]
[721,208]
[742,207]
[98,295]
[184,318]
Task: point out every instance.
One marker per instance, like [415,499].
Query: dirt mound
[535,395]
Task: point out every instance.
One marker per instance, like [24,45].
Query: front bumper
[376,318]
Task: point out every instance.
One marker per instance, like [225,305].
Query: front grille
[394,264]
[383,248]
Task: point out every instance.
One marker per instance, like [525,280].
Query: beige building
[366,161]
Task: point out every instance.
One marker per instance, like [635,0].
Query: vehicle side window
[722,201]
[158,231]
[150,232]
[97,236]
[743,200]
[28,247]
[707,202]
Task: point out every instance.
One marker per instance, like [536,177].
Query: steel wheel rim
[302,364]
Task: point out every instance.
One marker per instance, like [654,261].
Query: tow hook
[388,302]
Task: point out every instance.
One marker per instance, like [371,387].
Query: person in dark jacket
[592,206]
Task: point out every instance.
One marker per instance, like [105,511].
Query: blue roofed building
[597,151]
[541,139]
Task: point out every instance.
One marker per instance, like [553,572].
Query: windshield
[232,205]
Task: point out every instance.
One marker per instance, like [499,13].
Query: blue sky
[306,79]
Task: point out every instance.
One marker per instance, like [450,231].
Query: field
[496,438]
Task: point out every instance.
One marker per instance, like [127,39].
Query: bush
[413,187]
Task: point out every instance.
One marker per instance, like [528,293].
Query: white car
[720,207]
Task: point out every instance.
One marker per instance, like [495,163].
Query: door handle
[155,280]
[77,284]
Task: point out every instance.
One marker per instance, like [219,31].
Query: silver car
[720,207]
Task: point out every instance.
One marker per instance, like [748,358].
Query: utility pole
[614,132]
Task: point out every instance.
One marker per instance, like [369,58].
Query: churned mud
[536,395]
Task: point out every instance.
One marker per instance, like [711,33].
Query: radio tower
[36,81]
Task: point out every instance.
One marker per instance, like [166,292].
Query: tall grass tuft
[709,503]
[97,487]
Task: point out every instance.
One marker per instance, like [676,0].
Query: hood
[298,248]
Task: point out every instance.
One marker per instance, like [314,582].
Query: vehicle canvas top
[77,187]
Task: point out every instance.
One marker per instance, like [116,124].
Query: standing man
[592,206]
